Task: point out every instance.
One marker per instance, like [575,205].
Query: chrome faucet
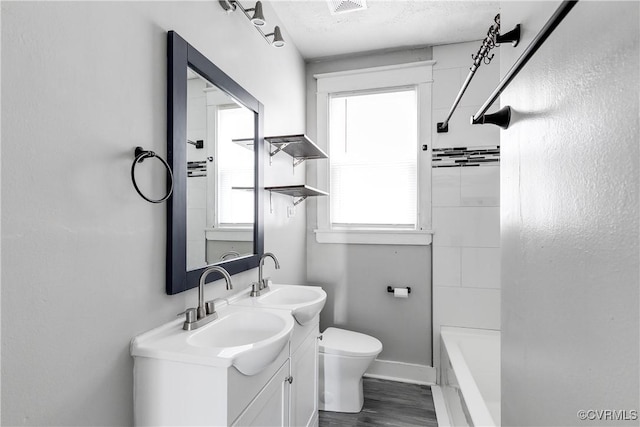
[205,312]
[261,284]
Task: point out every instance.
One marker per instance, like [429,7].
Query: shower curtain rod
[502,117]
[492,39]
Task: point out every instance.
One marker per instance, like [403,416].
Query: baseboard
[442,415]
[402,372]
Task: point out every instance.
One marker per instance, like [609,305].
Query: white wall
[356,276]
[466,200]
[83,262]
[570,217]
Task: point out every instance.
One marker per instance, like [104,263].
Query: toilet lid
[349,343]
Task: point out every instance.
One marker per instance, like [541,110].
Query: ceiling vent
[344,6]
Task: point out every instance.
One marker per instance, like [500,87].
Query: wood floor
[388,403]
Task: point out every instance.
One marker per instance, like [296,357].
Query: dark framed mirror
[215,150]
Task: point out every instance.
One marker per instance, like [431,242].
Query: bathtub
[469,377]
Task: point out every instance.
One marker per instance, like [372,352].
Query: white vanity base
[171,393]
[181,394]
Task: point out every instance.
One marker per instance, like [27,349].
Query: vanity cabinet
[229,373]
[271,405]
[180,393]
[176,393]
[304,371]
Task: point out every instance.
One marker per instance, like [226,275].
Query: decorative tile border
[463,157]
[195,169]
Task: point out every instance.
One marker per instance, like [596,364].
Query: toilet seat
[348,343]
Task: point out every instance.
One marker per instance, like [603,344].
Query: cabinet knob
[320,337]
[289,379]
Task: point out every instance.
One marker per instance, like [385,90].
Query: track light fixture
[277,41]
[257,19]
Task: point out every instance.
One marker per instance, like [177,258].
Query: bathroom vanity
[290,398]
[257,362]
[254,366]
[304,303]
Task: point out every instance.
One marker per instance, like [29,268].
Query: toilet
[344,356]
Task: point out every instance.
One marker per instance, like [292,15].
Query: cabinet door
[270,408]
[304,389]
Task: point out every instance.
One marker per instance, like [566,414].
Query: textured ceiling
[383,25]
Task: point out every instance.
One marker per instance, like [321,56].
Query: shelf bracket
[278,149]
[299,200]
[299,193]
[296,201]
[296,162]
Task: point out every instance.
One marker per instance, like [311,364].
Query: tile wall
[465,199]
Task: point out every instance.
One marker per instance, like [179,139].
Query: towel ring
[142,154]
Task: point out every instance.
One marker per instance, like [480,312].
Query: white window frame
[238,232]
[418,74]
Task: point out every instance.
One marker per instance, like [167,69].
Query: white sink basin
[304,302]
[252,338]
[248,339]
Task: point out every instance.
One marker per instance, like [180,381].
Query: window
[235,168]
[373,124]
[372,140]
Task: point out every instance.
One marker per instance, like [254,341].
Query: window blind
[373,159]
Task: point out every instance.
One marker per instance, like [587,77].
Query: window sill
[375,237]
[230,234]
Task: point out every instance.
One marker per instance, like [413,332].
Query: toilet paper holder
[391,288]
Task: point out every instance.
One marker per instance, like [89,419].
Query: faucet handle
[210,307]
[191,319]
[190,315]
[182,313]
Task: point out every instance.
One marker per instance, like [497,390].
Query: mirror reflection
[220,175]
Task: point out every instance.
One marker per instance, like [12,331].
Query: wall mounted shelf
[244,142]
[300,147]
[300,192]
